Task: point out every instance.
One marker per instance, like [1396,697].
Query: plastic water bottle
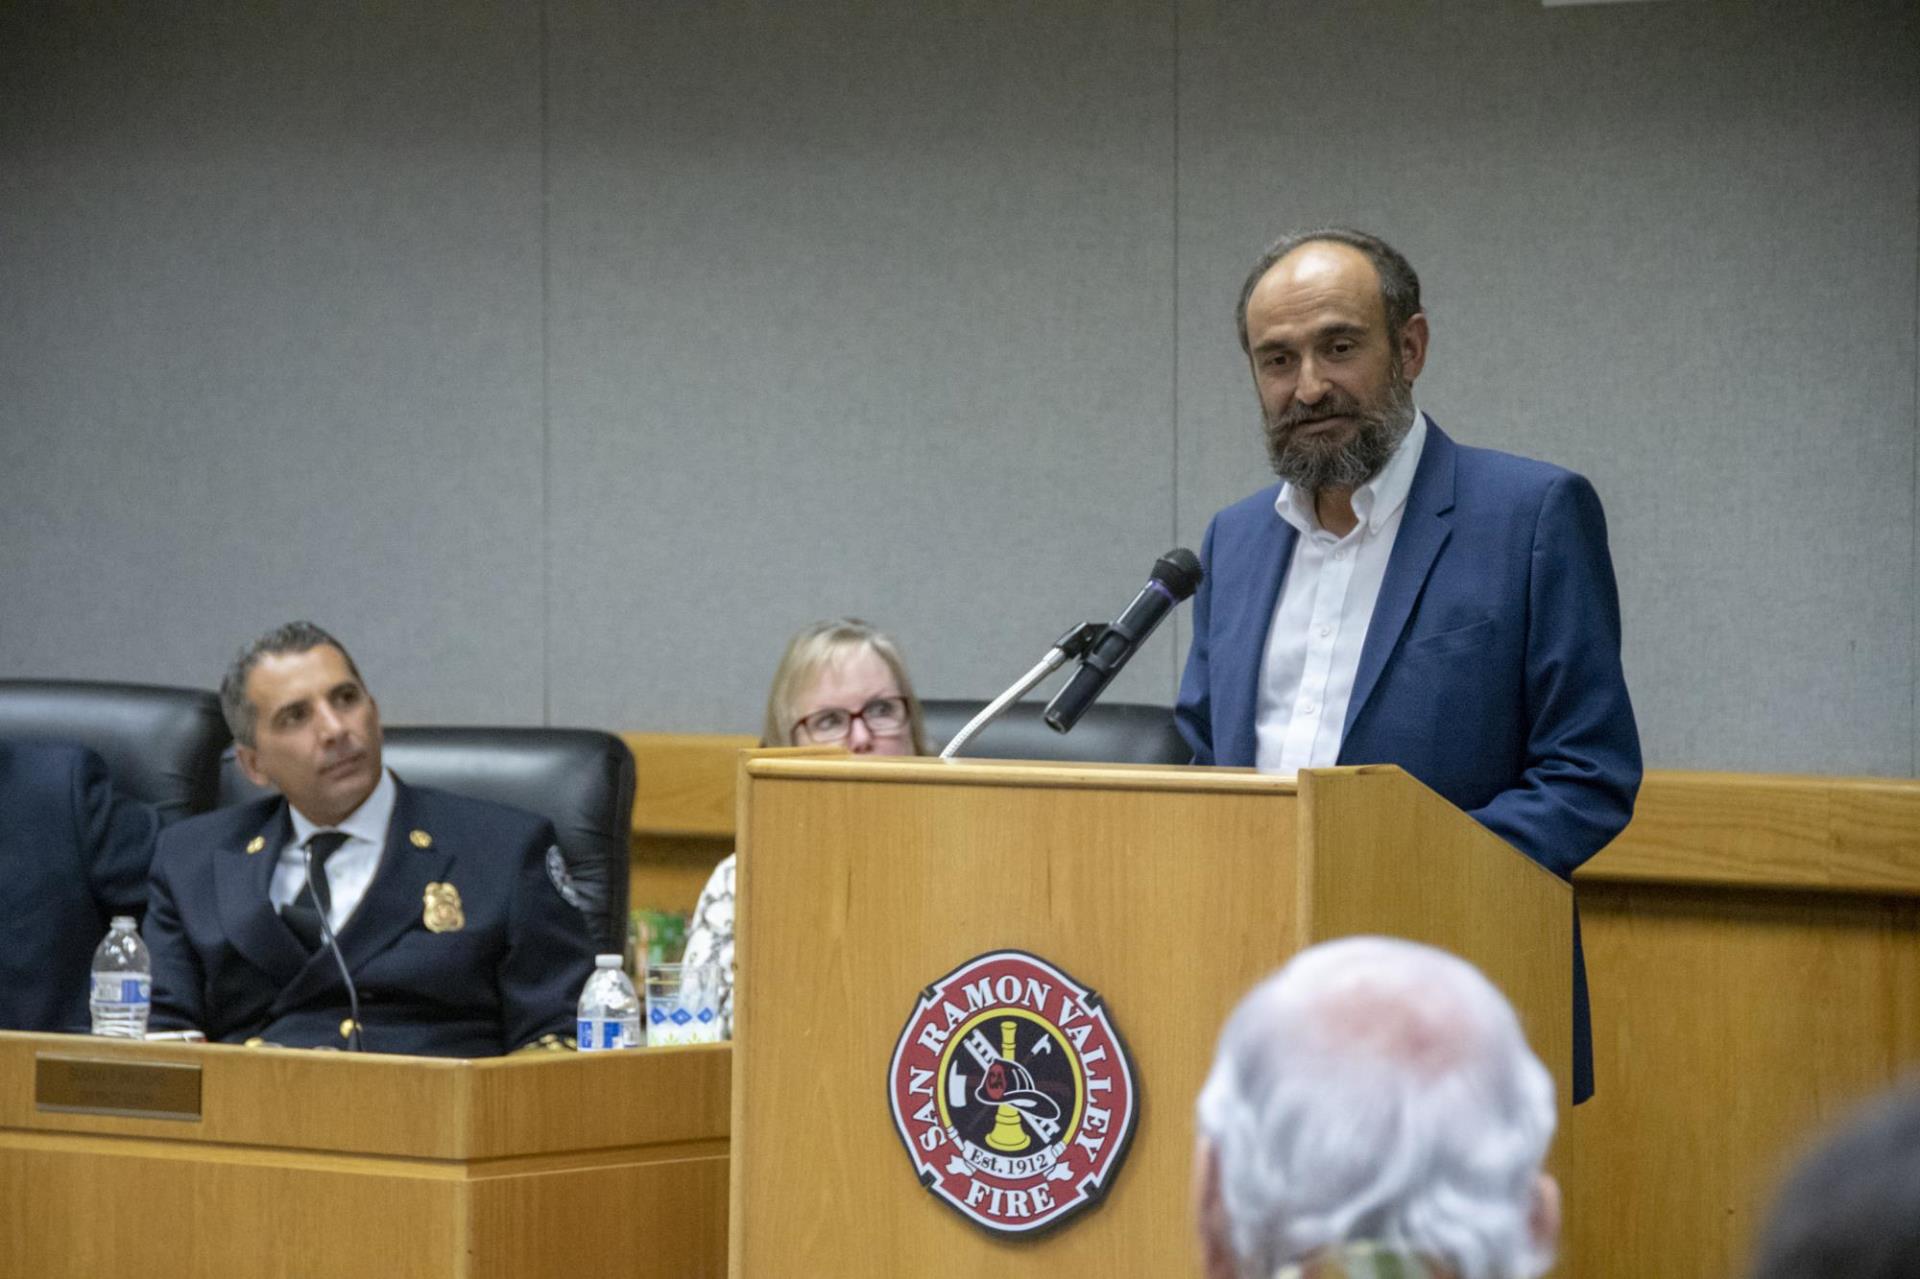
[122,993]
[609,1008]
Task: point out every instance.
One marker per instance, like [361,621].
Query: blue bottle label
[595,1033]
[121,988]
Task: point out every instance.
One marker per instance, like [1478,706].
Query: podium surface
[1169,892]
[302,1163]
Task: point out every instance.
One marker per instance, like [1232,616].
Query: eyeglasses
[883,716]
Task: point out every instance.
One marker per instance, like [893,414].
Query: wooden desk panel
[1731,1028]
[682,813]
[1753,945]
[328,1164]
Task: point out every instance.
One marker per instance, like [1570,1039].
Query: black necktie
[301,914]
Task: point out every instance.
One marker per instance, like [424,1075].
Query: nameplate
[109,1086]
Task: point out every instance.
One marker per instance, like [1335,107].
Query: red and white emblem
[1013,1093]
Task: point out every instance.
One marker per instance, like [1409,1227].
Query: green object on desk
[654,937]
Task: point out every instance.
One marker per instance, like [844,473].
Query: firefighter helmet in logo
[1013,1093]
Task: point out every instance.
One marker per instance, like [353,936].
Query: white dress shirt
[1320,622]
[352,865]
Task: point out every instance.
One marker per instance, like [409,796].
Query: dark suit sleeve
[1193,711]
[548,955]
[177,977]
[1583,749]
[117,832]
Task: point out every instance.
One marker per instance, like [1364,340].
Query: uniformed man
[459,940]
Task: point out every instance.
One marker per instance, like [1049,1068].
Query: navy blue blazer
[1491,668]
[72,856]
[496,973]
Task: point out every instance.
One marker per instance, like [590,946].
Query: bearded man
[1401,599]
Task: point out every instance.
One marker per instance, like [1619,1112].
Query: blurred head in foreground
[1375,1098]
[1851,1210]
[844,682]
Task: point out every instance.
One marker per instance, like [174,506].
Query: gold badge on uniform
[257,843]
[442,913]
[420,839]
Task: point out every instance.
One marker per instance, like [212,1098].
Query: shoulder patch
[562,878]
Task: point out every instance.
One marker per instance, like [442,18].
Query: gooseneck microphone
[326,931]
[1102,651]
[1176,575]
[1073,644]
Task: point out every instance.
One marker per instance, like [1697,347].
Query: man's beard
[1317,462]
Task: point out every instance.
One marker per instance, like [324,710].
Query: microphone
[326,931]
[1176,575]
[1073,644]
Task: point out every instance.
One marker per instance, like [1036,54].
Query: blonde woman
[840,683]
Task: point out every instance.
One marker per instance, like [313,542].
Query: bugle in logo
[1013,1093]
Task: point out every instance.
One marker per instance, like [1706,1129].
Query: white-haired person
[1373,1110]
[839,683]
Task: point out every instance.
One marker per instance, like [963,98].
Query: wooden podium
[1168,891]
[314,1164]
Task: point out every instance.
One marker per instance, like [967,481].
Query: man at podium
[1399,598]
[446,914]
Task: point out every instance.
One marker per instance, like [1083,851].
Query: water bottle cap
[124,922]
[608,961]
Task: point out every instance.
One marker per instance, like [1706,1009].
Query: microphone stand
[326,929]
[1074,643]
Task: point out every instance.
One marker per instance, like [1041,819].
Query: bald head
[1318,275]
[1394,277]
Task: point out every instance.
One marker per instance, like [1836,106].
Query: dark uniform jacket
[462,946]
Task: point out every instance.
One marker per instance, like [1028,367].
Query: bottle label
[594,1033]
[122,988]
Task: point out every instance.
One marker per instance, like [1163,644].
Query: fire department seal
[1013,1094]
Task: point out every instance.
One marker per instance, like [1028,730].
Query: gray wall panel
[860,314]
[1669,246]
[566,357]
[271,345]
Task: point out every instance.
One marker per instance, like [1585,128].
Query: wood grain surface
[1399,860]
[1752,947]
[1169,891]
[1731,1028]
[329,1164]
[1759,831]
[683,782]
[861,884]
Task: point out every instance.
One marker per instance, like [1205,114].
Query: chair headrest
[161,745]
[1109,733]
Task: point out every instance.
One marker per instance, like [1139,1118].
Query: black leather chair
[1109,733]
[161,745]
[579,779]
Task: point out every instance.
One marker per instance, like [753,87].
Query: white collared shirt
[1320,622]
[350,869]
